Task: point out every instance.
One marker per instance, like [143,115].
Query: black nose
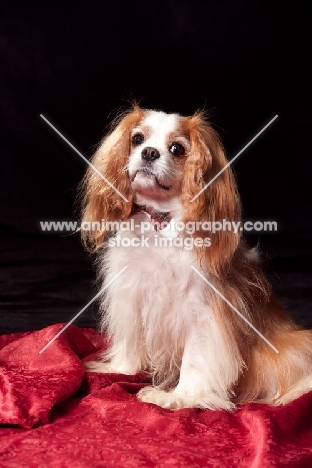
[150,154]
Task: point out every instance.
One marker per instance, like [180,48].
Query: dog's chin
[147,183]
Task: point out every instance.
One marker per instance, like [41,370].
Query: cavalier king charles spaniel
[190,306]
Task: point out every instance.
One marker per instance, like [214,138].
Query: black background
[78,62]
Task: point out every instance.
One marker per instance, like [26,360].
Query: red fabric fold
[53,414]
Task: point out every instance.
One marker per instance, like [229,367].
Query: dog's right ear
[100,202]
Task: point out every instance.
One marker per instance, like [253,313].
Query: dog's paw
[112,368]
[100,367]
[296,391]
[174,401]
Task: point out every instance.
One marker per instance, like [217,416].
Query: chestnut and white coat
[161,315]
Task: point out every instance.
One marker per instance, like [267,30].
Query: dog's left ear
[99,200]
[219,201]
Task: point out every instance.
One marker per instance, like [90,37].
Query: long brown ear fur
[99,200]
[218,201]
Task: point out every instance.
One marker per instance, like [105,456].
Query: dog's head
[162,160]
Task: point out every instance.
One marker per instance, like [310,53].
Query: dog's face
[164,161]
[158,149]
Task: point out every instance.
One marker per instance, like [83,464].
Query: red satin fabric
[53,414]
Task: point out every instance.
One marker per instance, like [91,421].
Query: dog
[195,311]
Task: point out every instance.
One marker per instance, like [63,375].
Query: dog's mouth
[146,176]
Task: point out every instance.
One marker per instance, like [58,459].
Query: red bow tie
[157,217]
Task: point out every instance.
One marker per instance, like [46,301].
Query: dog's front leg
[119,359]
[207,373]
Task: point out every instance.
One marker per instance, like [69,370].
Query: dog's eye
[177,149]
[137,139]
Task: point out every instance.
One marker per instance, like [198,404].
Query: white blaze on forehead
[161,120]
[160,125]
